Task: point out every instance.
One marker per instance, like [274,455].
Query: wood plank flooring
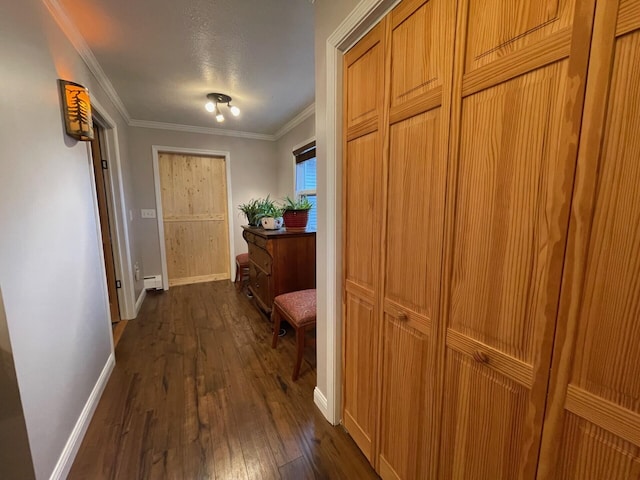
[198,393]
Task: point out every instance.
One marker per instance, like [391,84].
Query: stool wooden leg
[299,352]
[238,281]
[275,320]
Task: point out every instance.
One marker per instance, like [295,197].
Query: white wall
[254,173]
[51,265]
[329,15]
[284,154]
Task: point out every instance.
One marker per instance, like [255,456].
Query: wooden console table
[279,262]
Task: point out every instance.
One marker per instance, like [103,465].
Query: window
[306,179]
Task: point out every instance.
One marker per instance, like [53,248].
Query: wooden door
[100,165]
[194,212]
[421,53]
[518,90]
[592,429]
[362,173]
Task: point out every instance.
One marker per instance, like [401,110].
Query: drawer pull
[480,356]
[403,317]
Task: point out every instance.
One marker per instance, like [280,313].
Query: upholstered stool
[299,309]
[242,270]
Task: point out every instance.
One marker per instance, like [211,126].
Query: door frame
[157,150]
[117,213]
[366,15]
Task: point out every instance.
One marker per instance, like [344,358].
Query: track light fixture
[218,98]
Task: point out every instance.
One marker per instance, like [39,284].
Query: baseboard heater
[153,282]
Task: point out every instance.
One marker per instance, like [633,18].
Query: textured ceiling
[164,56]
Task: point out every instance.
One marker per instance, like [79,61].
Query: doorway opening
[192,196]
[100,165]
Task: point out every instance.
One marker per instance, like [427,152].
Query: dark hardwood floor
[198,393]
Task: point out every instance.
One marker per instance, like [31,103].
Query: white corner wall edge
[321,401]
[361,19]
[141,297]
[70,450]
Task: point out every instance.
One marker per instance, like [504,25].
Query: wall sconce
[217,98]
[76,104]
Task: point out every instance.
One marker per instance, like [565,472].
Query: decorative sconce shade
[76,110]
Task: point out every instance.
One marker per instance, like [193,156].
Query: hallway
[198,393]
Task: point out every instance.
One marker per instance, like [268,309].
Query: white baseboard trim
[321,402]
[70,450]
[141,297]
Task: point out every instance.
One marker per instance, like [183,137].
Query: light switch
[148,213]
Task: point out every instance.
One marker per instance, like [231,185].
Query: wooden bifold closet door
[462,125]
[592,429]
[519,79]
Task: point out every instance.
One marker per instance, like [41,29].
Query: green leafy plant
[302,203]
[252,210]
[256,209]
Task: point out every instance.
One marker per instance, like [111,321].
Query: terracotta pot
[296,220]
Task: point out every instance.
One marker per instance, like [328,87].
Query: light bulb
[210,106]
[220,117]
[235,111]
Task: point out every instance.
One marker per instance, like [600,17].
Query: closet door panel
[406,398]
[363,160]
[418,59]
[364,80]
[421,59]
[360,344]
[362,207]
[483,438]
[593,426]
[415,215]
[519,87]
[508,159]
[499,27]
[591,453]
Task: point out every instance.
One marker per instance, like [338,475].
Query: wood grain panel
[406,401]
[593,419]
[508,164]
[417,56]
[364,79]
[550,50]
[499,27]
[508,366]
[193,250]
[628,17]
[610,332]
[591,453]
[363,162]
[484,433]
[360,373]
[194,211]
[416,208]
[607,415]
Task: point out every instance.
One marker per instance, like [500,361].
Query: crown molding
[295,121]
[79,43]
[205,130]
[77,40]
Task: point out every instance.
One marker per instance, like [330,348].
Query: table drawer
[260,284]
[261,258]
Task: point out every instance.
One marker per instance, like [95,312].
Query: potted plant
[271,215]
[296,213]
[253,211]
